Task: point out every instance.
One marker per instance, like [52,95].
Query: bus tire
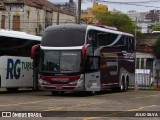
[122,85]
[12,89]
[127,84]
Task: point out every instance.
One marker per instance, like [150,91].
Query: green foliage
[139,34]
[157,48]
[156,27]
[117,19]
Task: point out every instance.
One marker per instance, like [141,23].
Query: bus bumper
[79,86]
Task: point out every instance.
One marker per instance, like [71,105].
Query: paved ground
[101,106]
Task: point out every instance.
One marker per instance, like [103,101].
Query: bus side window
[130,44]
[122,43]
[105,39]
[102,39]
[91,38]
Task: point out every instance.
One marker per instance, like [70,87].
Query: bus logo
[14,68]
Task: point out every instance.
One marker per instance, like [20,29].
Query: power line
[85,1]
[154,1]
[126,3]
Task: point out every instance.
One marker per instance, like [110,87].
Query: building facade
[31,16]
[69,7]
[145,58]
[88,16]
[140,19]
[153,15]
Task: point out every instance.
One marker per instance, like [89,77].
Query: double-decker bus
[85,58]
[15,62]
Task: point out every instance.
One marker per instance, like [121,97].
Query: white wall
[145,56]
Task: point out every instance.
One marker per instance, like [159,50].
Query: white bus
[15,62]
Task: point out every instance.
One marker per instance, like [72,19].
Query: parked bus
[85,58]
[15,62]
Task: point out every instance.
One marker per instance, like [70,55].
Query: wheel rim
[121,86]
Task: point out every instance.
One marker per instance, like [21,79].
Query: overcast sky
[121,5]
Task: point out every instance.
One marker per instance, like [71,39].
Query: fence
[147,78]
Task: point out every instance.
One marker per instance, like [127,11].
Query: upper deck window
[63,38]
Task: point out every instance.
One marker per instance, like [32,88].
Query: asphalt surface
[137,105]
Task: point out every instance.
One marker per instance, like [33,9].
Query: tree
[157,48]
[156,27]
[116,19]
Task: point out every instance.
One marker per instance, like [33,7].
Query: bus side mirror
[34,49]
[84,50]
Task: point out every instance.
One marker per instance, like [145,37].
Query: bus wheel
[123,86]
[12,89]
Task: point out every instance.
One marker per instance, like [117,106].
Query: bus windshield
[63,38]
[61,61]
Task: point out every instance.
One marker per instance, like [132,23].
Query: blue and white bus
[15,62]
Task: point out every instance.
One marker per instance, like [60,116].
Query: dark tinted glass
[63,38]
[99,38]
[125,43]
[92,64]
[16,47]
[60,61]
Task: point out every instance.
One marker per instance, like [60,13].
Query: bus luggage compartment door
[92,74]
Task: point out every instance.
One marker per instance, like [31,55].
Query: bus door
[92,74]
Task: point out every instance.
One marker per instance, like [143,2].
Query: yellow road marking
[16,104]
[145,96]
[107,115]
[142,108]
[111,94]
[75,106]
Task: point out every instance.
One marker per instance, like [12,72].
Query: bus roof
[85,27]
[18,34]
[66,26]
[108,29]
[155,31]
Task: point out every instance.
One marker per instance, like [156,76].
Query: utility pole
[9,17]
[58,14]
[79,12]
[135,38]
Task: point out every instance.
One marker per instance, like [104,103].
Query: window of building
[3,21]
[149,63]
[137,63]
[16,23]
[142,63]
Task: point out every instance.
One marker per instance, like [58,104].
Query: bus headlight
[76,81]
[45,83]
[73,82]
